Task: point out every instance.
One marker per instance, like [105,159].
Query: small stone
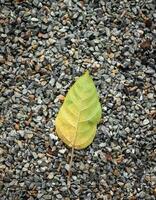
[41,155]
[17,127]
[44,36]
[21,132]
[113,38]
[31,97]
[58,85]
[19,143]
[40,194]
[39,101]
[67,167]
[35,2]
[52,81]
[150,71]
[1,151]
[38,119]
[47,197]
[51,41]
[59,196]
[61,97]
[101,58]
[145,122]
[108,33]
[108,80]
[150,95]
[141,194]
[145,44]
[53,137]
[34,155]
[111,55]
[102,144]
[51,176]
[2,166]
[2,60]
[43,169]
[127,129]
[148,23]
[29,135]
[62,151]
[34,19]
[39,162]
[22,184]
[26,165]
[24,169]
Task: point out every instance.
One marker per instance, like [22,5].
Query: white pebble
[145,122]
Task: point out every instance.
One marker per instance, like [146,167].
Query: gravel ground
[44,46]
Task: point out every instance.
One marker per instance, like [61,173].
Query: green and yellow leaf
[79,115]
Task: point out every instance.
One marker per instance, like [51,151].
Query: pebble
[2,60]
[1,151]
[58,85]
[53,137]
[150,95]
[35,2]
[33,19]
[52,82]
[51,176]
[145,122]
[29,135]
[62,151]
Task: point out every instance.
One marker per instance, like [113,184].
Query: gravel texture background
[44,46]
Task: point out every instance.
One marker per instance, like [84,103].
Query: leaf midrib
[78,121]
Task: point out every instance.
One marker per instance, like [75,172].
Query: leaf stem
[69,170]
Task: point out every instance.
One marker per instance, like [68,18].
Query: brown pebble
[145,44]
[31,97]
[119,159]
[41,58]
[1,119]
[42,35]
[152,113]
[131,89]
[27,123]
[116,172]
[4,21]
[108,157]
[154,191]
[17,127]
[132,198]
[148,23]
[61,97]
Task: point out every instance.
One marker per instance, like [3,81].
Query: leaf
[79,115]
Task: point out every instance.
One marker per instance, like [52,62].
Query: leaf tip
[86,73]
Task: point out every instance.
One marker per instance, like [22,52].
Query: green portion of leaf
[80,113]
